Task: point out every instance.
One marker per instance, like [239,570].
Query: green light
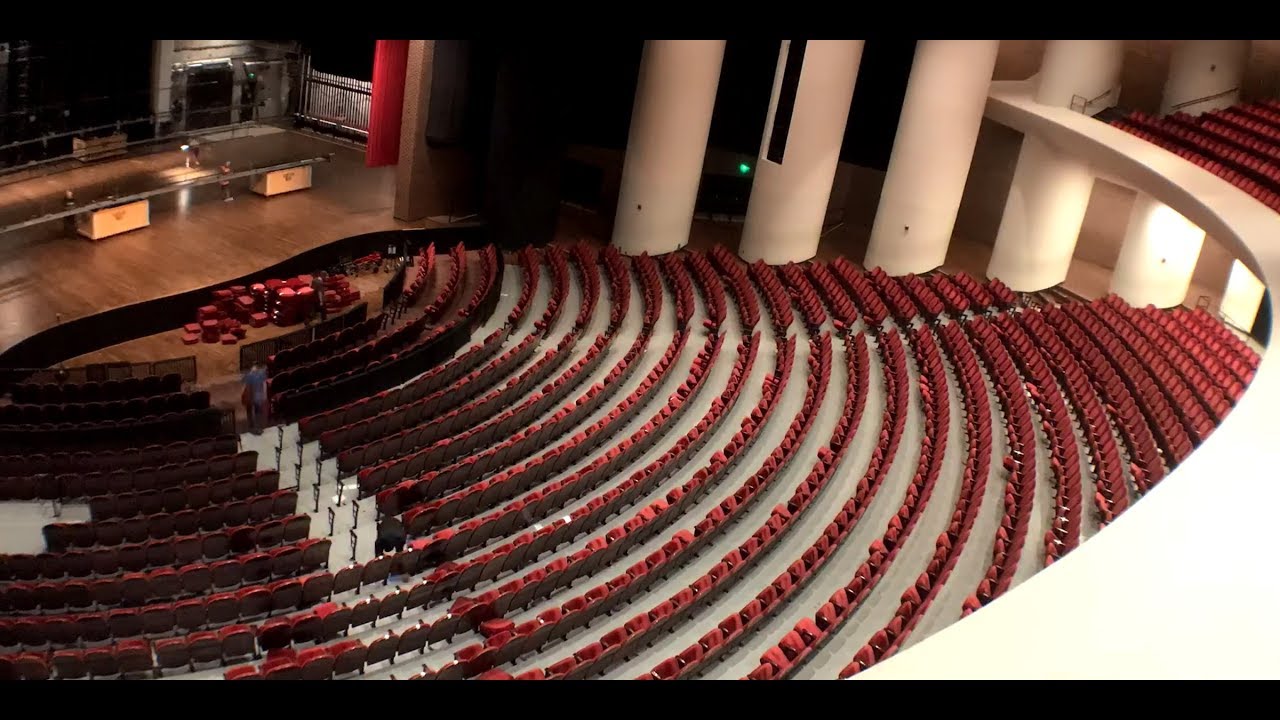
[744,168]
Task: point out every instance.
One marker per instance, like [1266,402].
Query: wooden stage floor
[194,239]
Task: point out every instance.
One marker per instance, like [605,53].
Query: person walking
[254,397]
[225,182]
[69,202]
[317,285]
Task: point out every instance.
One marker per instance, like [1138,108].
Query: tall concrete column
[1050,191]
[675,95]
[937,132]
[791,189]
[163,56]
[1081,74]
[1204,75]
[1158,256]
[414,184]
[1042,218]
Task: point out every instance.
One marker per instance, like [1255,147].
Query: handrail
[1199,100]
[1086,102]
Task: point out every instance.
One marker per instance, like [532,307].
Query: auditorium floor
[194,239]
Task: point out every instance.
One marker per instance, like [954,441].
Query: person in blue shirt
[255,397]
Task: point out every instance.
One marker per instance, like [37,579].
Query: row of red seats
[446,297]
[579,610]
[405,438]
[392,352]
[1218,338]
[140,528]
[476,531]
[437,378]
[955,299]
[505,424]
[900,304]
[926,299]
[713,290]
[420,463]
[916,600]
[130,657]
[1145,465]
[431,392]
[135,589]
[1064,461]
[488,258]
[85,461]
[1214,397]
[777,662]
[1184,402]
[469,611]
[804,296]
[1020,462]
[125,481]
[438,496]
[193,494]
[739,284]
[134,557]
[93,391]
[980,298]
[96,411]
[1111,494]
[426,272]
[712,644]
[334,343]
[1226,164]
[419,596]
[202,611]
[863,292]
[1169,434]
[776,299]
[599,655]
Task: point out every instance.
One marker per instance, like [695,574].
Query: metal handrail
[1086,102]
[1199,100]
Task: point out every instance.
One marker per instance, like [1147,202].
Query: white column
[162,59]
[1076,72]
[675,94]
[1158,256]
[1242,297]
[789,199]
[1207,71]
[937,131]
[1042,218]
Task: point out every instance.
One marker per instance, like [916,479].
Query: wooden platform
[194,239]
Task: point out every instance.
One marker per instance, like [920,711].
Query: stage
[194,238]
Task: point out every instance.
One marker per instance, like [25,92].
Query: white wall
[1158,256]
[789,199]
[1084,68]
[675,94]
[1042,218]
[937,131]
[1204,69]
[1243,296]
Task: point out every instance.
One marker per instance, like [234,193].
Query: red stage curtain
[390,62]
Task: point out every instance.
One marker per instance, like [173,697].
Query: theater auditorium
[746,359]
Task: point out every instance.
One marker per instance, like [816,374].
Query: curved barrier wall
[1184,583]
[128,322]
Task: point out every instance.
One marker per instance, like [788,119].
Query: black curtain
[526,143]
[348,57]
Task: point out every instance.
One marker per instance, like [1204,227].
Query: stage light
[743,168]
[186,148]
